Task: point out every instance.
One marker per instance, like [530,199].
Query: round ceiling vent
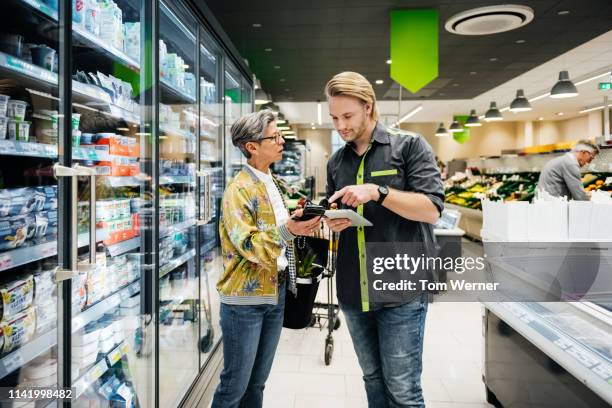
[489,20]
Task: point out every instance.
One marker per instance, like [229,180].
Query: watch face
[383,190]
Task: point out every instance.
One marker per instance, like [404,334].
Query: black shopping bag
[298,309]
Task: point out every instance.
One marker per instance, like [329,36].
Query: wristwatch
[383,191]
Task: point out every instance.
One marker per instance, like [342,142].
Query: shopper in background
[560,177]
[397,181]
[257,246]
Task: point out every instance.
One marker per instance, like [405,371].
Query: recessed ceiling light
[389,61]
[313,128]
[559,113]
[312,124]
[256,25]
[473,73]
[277,67]
[379,81]
[493,59]
[540,118]
[287,90]
[441,94]
[268,50]
[520,41]
[282,79]
[563,12]
[455,84]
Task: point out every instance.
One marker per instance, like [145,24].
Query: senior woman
[257,235]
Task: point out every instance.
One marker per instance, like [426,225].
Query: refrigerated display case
[109,202]
[548,354]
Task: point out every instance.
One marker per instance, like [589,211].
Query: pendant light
[280,119]
[455,127]
[472,120]
[441,131]
[564,88]
[520,103]
[493,114]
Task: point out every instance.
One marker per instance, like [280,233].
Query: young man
[395,182]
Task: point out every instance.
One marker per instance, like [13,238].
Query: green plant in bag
[307,265]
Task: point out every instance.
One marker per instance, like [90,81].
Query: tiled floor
[451,374]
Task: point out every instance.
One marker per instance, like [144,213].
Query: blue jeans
[389,347]
[250,337]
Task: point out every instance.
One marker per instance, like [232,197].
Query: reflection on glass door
[108,360]
[211,191]
[232,100]
[29,111]
[178,278]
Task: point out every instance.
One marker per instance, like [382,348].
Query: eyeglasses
[277,137]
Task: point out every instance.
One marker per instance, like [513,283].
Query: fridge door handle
[91,173]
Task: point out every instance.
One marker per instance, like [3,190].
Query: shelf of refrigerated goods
[206,136]
[123,181]
[30,75]
[208,159]
[29,351]
[175,94]
[587,355]
[208,246]
[123,247]
[84,37]
[31,149]
[99,368]
[176,180]
[175,263]
[165,231]
[168,130]
[31,253]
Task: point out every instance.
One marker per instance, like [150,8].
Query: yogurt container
[16,297]
[3,126]
[76,120]
[76,138]
[16,109]
[18,330]
[43,56]
[4,100]
[22,131]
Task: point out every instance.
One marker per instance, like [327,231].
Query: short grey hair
[587,145]
[250,128]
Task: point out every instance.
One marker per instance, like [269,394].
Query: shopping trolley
[325,315]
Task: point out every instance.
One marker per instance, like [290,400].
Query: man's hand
[356,194]
[338,224]
[302,227]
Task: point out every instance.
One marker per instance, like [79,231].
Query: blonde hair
[355,85]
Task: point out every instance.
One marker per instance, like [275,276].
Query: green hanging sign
[464,136]
[414,47]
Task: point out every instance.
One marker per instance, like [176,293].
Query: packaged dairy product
[14,231]
[44,284]
[92,18]
[16,297]
[50,197]
[87,335]
[18,330]
[40,367]
[46,315]
[16,109]
[4,99]
[3,126]
[132,40]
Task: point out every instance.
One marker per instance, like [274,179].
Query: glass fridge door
[233,101]
[109,363]
[210,180]
[178,277]
[29,110]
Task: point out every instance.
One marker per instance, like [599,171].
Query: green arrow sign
[605,86]
[414,47]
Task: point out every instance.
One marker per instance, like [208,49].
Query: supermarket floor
[451,376]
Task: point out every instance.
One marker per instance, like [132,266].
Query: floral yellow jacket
[250,243]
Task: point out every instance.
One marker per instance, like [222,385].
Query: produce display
[468,190]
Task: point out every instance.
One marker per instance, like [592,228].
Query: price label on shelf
[604,371]
[114,356]
[97,371]
[12,361]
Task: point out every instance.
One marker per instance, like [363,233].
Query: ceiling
[300,45]
[583,62]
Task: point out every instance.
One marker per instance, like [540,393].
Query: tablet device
[356,219]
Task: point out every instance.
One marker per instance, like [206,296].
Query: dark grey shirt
[560,177]
[411,159]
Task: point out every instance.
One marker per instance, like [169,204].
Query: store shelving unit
[190,181]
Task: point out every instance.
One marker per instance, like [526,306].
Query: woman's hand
[302,227]
[338,224]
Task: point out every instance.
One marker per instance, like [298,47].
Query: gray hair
[250,128]
[586,145]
